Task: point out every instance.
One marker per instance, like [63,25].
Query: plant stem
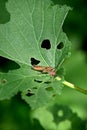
[70,85]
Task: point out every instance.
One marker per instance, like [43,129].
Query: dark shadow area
[67,114]
[71,2]
[6,65]
[75,23]
[15,114]
[84,44]
[4,14]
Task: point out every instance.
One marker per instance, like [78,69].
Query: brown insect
[44,69]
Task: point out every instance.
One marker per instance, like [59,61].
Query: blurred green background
[75,26]
[15,114]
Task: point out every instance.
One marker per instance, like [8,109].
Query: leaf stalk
[70,85]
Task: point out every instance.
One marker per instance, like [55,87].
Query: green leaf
[60,117]
[21,39]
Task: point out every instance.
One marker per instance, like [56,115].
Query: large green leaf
[21,38]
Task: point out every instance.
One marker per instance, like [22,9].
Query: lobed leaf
[21,39]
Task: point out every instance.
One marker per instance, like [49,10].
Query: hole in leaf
[49,89]
[46,44]
[60,45]
[29,93]
[4,14]
[4,81]
[6,65]
[37,81]
[47,82]
[34,61]
[34,87]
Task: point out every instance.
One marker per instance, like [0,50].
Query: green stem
[70,85]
